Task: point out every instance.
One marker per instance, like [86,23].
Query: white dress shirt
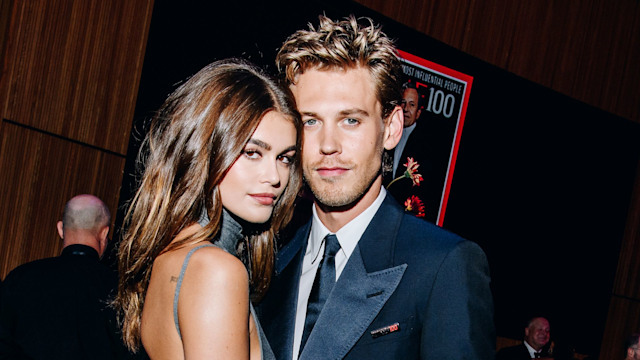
[348,237]
[532,351]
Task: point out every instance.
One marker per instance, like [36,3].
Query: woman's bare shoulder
[207,265]
[212,266]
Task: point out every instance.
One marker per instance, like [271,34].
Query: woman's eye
[251,154]
[286,159]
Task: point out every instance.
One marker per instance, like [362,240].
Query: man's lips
[331,171]
[264,199]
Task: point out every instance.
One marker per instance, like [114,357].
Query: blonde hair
[345,44]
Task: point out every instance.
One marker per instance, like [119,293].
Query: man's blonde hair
[345,44]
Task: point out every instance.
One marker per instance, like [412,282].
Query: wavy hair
[194,139]
[345,44]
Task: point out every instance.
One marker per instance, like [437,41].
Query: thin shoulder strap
[179,284]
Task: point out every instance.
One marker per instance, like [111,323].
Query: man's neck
[335,218]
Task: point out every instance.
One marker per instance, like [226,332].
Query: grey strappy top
[230,234]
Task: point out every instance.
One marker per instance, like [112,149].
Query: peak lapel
[355,301]
[279,308]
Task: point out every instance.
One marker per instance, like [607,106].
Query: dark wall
[542,181]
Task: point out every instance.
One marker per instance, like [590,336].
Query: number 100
[439,103]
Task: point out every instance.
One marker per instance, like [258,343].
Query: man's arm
[459,320]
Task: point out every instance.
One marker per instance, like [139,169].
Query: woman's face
[259,176]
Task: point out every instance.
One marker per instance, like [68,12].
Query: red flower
[410,173]
[412,167]
[414,205]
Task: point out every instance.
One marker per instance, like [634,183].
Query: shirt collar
[532,351]
[80,250]
[409,128]
[349,235]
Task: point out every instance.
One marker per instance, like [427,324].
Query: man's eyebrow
[347,112]
[308,113]
[260,143]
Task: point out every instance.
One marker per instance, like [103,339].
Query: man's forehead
[410,92]
[350,80]
[540,323]
[331,92]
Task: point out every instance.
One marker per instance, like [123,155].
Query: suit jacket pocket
[386,331]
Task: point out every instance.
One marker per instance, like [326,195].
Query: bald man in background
[633,347]
[537,334]
[56,308]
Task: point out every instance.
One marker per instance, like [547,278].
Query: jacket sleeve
[458,323]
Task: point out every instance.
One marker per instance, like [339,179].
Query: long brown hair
[195,138]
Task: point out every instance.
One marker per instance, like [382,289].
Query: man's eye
[351,121]
[310,122]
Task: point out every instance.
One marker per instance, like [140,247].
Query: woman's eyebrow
[290,148]
[260,143]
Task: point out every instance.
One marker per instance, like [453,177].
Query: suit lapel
[359,295]
[288,267]
[378,242]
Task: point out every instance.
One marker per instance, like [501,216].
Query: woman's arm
[213,308]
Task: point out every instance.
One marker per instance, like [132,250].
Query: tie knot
[331,245]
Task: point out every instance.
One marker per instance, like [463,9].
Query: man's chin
[334,201]
[334,195]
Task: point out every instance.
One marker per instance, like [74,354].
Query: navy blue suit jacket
[405,271]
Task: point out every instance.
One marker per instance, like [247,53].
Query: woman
[221,168]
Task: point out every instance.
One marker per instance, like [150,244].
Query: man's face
[633,353]
[343,133]
[538,333]
[410,107]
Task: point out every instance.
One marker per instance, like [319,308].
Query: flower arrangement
[412,204]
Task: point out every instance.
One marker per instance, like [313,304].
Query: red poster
[435,103]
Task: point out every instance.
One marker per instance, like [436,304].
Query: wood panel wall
[70,73]
[68,87]
[588,50]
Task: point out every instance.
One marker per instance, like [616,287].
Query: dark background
[542,182]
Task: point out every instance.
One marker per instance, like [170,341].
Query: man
[536,337]
[56,308]
[399,287]
[411,109]
[413,144]
[633,347]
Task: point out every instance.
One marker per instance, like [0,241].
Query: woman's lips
[264,199]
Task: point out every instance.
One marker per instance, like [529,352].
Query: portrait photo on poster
[421,168]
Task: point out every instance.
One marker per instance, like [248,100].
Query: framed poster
[435,100]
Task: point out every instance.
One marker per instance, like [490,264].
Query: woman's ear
[393,128]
